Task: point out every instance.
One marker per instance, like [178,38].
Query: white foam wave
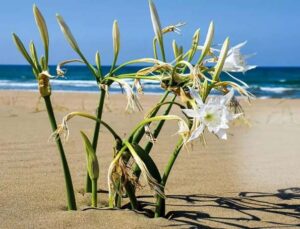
[16,84]
[68,83]
[282,80]
[277,89]
[74,83]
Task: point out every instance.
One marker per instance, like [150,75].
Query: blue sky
[272,27]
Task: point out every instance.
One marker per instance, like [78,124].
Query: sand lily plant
[41,71]
[192,81]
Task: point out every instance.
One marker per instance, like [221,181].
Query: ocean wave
[30,84]
[82,85]
[261,91]
[283,80]
[74,83]
[17,84]
[277,89]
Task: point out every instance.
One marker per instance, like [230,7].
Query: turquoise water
[264,82]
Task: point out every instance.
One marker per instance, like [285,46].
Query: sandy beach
[252,180]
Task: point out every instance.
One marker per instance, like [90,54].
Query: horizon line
[82,65]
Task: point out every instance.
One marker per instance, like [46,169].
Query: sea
[263,82]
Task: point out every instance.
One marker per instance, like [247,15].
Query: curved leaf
[34,56]
[149,162]
[195,43]
[24,52]
[146,168]
[92,161]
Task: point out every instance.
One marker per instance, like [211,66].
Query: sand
[252,180]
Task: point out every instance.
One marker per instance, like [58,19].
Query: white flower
[137,84]
[183,131]
[149,134]
[236,61]
[132,100]
[60,72]
[214,115]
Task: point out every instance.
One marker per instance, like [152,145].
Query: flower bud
[156,22]
[221,61]
[116,39]
[40,21]
[208,41]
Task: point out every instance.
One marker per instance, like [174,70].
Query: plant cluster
[192,76]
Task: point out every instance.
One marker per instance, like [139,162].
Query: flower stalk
[88,182]
[160,202]
[71,202]
[92,167]
[94,193]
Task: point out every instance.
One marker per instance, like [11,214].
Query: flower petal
[191,113]
[197,132]
[221,134]
[237,47]
[225,100]
[195,95]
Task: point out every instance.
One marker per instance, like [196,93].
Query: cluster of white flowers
[215,115]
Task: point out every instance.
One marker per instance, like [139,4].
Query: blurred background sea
[264,82]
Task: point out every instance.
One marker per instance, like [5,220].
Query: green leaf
[98,63]
[34,56]
[180,50]
[24,52]
[195,43]
[92,161]
[149,162]
[43,63]
[41,24]
[148,168]
[175,49]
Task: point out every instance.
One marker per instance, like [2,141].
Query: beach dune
[250,180]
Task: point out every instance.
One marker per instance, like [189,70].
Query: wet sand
[251,180]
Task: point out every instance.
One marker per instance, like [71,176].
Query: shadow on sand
[247,210]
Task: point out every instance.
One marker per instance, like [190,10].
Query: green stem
[85,115]
[154,48]
[162,50]
[130,191]
[118,197]
[94,193]
[88,185]
[160,208]
[171,162]
[139,134]
[71,202]
[148,147]
[160,202]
